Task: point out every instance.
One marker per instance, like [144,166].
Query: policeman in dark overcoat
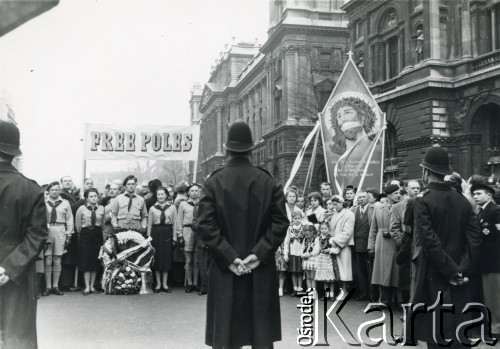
[242,219]
[23,232]
[447,246]
[489,223]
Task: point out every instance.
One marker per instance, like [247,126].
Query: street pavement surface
[175,320]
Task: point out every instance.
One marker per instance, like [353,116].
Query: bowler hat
[239,137]
[482,186]
[436,160]
[9,139]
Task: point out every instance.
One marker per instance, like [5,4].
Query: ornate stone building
[278,88]
[434,68]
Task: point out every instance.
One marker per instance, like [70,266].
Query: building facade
[277,88]
[434,68]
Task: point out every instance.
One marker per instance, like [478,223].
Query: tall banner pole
[382,165]
[195,170]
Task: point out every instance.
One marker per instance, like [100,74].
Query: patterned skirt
[309,263]
[281,265]
[324,268]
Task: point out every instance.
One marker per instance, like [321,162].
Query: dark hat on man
[436,159]
[239,137]
[391,188]
[9,139]
[482,186]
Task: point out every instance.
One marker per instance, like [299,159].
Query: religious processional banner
[352,128]
[114,142]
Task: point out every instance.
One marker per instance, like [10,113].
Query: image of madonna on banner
[352,127]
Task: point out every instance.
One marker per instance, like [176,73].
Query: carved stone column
[493,28]
[466,30]
[219,129]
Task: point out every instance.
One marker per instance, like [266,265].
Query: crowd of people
[433,242]
[362,239]
[79,222]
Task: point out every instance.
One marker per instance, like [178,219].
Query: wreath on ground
[126,258]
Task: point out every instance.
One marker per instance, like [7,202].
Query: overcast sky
[112,61]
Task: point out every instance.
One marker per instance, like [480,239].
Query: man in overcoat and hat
[23,232]
[242,219]
[489,265]
[383,247]
[446,247]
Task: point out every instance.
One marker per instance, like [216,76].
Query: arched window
[389,46]
[388,20]
[486,121]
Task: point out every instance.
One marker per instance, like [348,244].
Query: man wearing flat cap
[23,232]
[447,242]
[383,246]
[489,264]
[242,219]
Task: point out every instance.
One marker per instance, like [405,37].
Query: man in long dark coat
[489,266]
[447,246]
[23,232]
[242,219]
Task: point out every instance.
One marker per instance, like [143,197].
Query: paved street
[175,320]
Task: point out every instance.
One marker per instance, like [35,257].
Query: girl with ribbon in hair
[310,249]
[327,268]
[89,223]
[161,227]
[293,251]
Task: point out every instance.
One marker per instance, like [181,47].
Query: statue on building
[361,66]
[392,19]
[419,47]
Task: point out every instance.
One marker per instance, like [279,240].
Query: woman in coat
[342,230]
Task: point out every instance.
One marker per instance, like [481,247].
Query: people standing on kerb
[448,240]
[383,246]
[69,273]
[128,211]
[89,223]
[242,220]
[489,265]
[412,189]
[186,236]
[161,227]
[23,233]
[61,229]
[202,254]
